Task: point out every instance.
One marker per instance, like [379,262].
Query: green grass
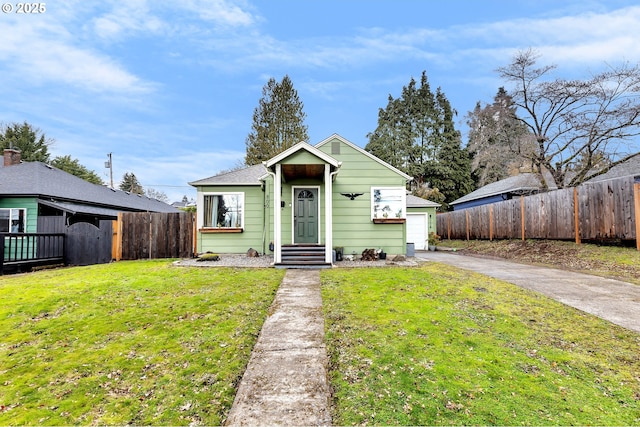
[440,346]
[128,343]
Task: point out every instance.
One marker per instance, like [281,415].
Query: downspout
[273,176]
[264,224]
[329,237]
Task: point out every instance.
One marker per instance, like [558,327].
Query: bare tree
[581,127]
[497,141]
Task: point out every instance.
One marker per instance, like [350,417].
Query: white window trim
[403,195]
[201,205]
[10,216]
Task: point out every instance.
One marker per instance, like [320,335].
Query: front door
[305,215]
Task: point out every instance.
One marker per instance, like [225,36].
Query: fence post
[118,246]
[490,222]
[2,256]
[636,198]
[522,216]
[576,215]
[466,216]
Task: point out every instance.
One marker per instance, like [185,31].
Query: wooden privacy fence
[607,210]
[144,235]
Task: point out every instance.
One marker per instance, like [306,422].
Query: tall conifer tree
[278,122]
[32,143]
[416,134]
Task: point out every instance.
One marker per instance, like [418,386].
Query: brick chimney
[11,157]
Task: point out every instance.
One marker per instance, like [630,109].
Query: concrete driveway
[612,300]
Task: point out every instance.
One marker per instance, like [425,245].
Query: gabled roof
[629,168]
[36,179]
[300,147]
[247,176]
[253,175]
[419,202]
[524,183]
[364,152]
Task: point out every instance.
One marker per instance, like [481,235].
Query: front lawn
[437,345]
[128,343]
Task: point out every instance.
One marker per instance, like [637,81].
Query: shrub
[209,257]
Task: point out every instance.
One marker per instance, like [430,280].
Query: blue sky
[169,87]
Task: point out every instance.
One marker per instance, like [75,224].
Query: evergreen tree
[278,122]
[73,166]
[31,142]
[416,134]
[450,169]
[130,183]
[405,128]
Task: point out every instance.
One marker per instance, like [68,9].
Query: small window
[388,203]
[12,220]
[224,210]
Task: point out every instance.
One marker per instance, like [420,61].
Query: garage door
[417,230]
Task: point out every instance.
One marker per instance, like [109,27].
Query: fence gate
[87,244]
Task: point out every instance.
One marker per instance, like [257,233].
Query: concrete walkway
[612,300]
[286,380]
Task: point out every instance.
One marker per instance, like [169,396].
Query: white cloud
[221,12]
[585,38]
[128,18]
[45,53]
[580,39]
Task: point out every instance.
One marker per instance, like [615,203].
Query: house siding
[30,203]
[353,228]
[31,225]
[252,233]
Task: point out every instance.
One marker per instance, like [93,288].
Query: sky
[169,87]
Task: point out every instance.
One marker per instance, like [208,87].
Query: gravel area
[266,261]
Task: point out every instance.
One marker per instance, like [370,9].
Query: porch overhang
[303,161]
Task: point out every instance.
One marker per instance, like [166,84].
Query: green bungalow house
[306,202]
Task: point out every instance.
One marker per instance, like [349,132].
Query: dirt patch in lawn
[617,262]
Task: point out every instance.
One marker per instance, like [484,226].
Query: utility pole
[109,164]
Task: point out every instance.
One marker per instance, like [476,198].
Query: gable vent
[335,147]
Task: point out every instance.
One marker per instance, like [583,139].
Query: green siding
[30,203]
[31,226]
[353,228]
[302,158]
[252,235]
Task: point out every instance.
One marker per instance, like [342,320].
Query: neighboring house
[629,168]
[184,205]
[305,202]
[38,198]
[508,188]
[529,183]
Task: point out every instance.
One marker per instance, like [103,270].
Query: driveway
[612,300]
